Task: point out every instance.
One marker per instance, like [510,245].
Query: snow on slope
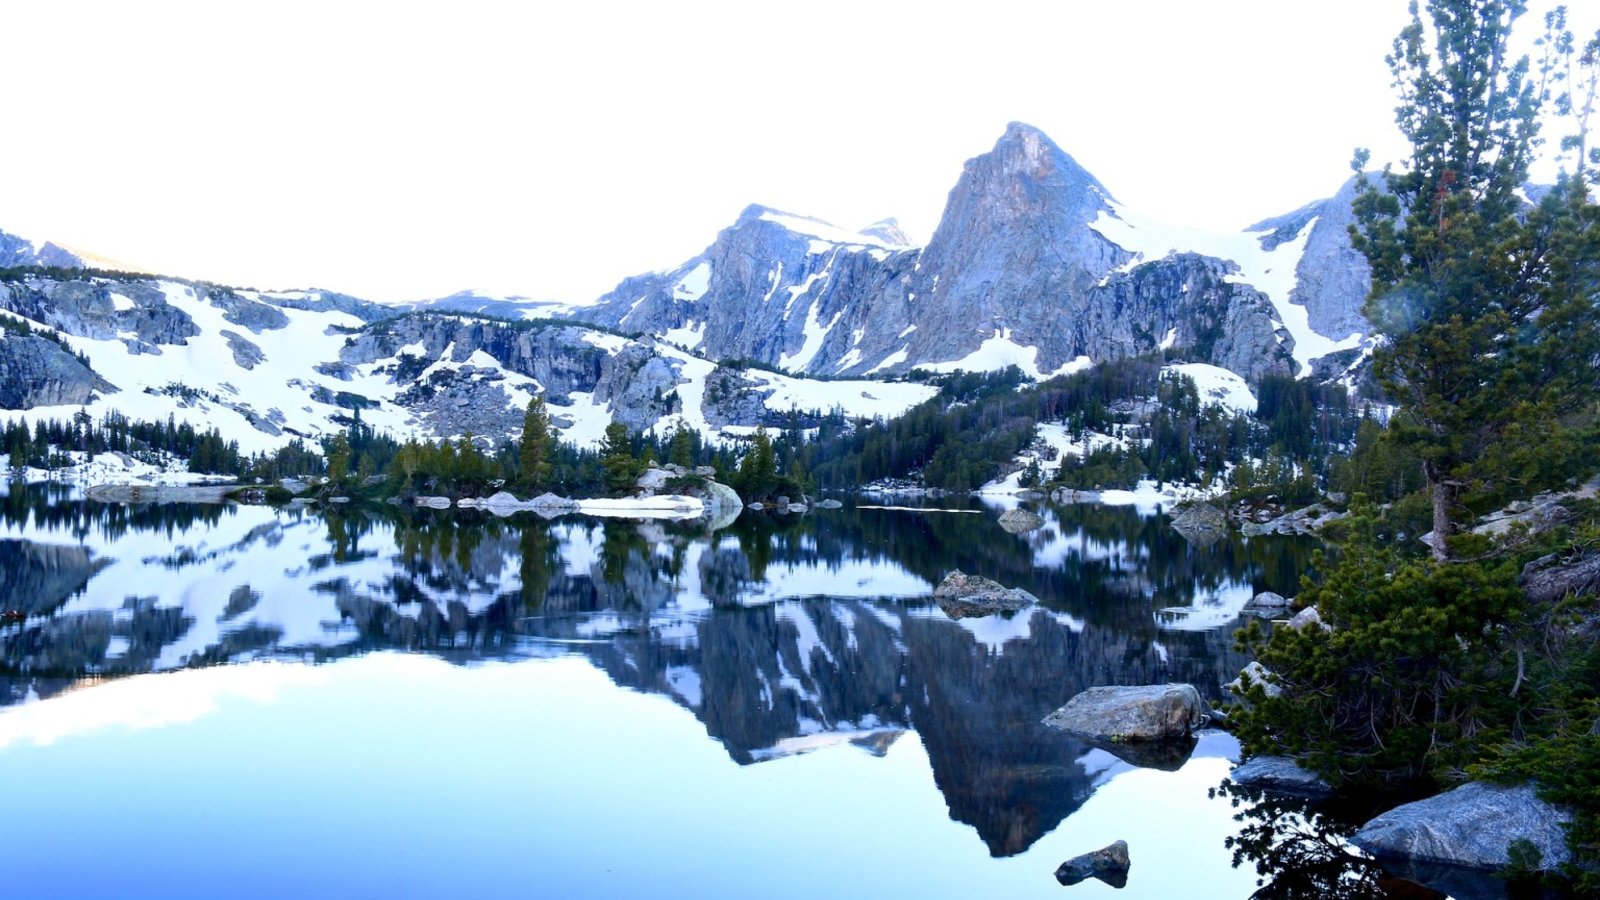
[856,399]
[999,351]
[1218,385]
[278,386]
[825,231]
[1270,271]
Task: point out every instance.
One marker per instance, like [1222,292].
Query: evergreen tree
[338,453]
[758,471]
[1487,307]
[535,451]
[616,458]
[681,450]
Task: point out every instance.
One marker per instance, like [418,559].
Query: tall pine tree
[535,451]
[1486,304]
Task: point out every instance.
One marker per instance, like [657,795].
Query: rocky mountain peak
[19,251]
[888,230]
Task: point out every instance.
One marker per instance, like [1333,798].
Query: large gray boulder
[1268,603]
[1155,712]
[1020,521]
[1281,774]
[1109,864]
[961,595]
[1473,825]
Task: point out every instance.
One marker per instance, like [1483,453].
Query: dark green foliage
[1399,688]
[1437,669]
[617,459]
[757,478]
[47,443]
[682,448]
[1278,480]
[961,438]
[1487,306]
[1567,766]
[534,451]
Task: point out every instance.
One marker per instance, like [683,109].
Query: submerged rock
[1020,521]
[1282,774]
[1473,826]
[1155,712]
[1163,756]
[961,595]
[1109,864]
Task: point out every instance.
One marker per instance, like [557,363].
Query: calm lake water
[243,702]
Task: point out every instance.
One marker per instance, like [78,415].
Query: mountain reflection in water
[780,635]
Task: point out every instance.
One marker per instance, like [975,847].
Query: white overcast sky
[403,151]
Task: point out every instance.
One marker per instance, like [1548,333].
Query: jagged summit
[19,251]
[822,230]
[889,231]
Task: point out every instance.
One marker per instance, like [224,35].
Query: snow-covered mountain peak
[818,229]
[889,231]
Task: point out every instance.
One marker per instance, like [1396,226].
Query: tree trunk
[1443,492]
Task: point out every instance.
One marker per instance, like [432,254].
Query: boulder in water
[1154,712]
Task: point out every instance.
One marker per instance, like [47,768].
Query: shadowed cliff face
[781,636]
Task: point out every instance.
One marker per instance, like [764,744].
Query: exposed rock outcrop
[36,371]
[1551,578]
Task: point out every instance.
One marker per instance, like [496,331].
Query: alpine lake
[239,701]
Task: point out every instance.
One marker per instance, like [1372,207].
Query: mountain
[16,251]
[1034,263]
[265,367]
[490,305]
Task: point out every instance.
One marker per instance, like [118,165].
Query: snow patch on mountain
[1270,271]
[999,351]
[1217,385]
[826,231]
[693,285]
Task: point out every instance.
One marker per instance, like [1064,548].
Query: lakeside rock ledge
[1472,826]
[1155,712]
